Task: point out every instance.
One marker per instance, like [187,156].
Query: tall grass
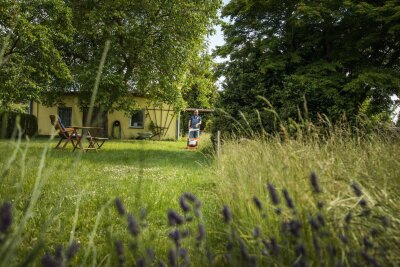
[274,201]
[339,156]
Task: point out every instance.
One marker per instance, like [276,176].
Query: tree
[54,46]
[199,89]
[32,36]
[336,54]
[153,44]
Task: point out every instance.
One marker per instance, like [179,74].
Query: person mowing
[194,123]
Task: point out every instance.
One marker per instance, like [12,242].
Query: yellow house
[161,121]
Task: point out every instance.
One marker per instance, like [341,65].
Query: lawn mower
[194,138]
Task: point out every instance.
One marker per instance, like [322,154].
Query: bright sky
[218,38]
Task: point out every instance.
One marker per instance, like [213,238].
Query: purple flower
[300,250]
[120,207]
[288,199]
[356,189]
[174,218]
[274,246]
[183,253]
[314,224]
[316,244]
[172,257]
[343,238]
[321,219]
[295,227]
[314,183]
[184,205]
[141,262]
[256,232]
[243,249]
[348,217]
[374,232]
[176,237]
[120,250]
[369,259]
[363,203]
[72,250]
[133,226]
[385,221]
[227,214]
[50,261]
[59,252]
[367,243]
[5,216]
[202,232]
[257,202]
[183,202]
[273,194]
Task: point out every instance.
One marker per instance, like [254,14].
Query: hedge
[28,123]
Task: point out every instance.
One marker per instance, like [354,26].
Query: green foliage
[32,37]
[49,47]
[10,121]
[335,54]
[199,90]
[154,45]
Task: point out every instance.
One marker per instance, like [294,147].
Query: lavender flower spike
[257,202]
[120,207]
[288,199]
[133,225]
[356,189]
[5,216]
[273,194]
[227,214]
[314,182]
[174,218]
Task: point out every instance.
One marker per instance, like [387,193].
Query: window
[137,119]
[65,114]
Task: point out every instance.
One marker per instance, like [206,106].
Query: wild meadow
[268,201]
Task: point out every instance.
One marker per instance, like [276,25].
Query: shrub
[8,122]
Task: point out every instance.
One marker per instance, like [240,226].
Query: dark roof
[199,109]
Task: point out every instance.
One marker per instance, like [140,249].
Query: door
[99,119]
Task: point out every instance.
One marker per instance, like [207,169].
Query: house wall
[43,113]
[160,114]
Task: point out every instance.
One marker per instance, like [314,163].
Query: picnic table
[94,141]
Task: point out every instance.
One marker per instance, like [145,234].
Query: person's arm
[189,124]
[198,124]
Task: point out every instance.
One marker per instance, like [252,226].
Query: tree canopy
[339,55]
[32,37]
[153,45]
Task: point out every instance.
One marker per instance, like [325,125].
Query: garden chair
[66,134]
[96,142]
[99,141]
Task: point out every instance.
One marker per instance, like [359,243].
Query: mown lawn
[148,176]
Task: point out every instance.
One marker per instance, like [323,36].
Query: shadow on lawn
[148,157]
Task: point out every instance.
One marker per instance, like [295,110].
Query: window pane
[137,119]
[65,114]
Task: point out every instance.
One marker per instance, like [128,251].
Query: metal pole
[218,148]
